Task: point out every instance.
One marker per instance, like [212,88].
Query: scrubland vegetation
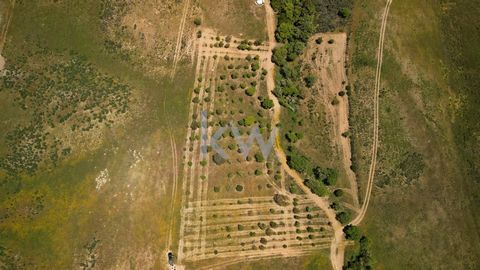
[421,120]
[70,100]
[68,93]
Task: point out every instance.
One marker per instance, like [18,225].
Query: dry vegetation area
[78,188]
[324,111]
[140,32]
[241,18]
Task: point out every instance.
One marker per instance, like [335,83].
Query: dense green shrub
[316,187]
[299,162]
[328,176]
[267,103]
[362,258]
[343,217]
[351,232]
[259,157]
[338,193]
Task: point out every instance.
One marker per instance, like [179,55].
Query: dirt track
[7,25]
[173,195]
[371,174]
[178,45]
[4,34]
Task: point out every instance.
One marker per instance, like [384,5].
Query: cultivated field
[228,208]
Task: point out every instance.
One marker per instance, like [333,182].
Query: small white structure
[260,2]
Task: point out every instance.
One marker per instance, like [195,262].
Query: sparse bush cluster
[70,93]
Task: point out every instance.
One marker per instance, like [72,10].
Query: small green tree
[218,159]
[281,200]
[279,56]
[351,232]
[263,241]
[249,120]
[250,91]
[338,193]
[293,137]
[343,217]
[267,103]
[259,157]
[344,12]
[197,21]
[309,80]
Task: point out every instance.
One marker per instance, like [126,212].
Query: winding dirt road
[173,144]
[371,174]
[337,249]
